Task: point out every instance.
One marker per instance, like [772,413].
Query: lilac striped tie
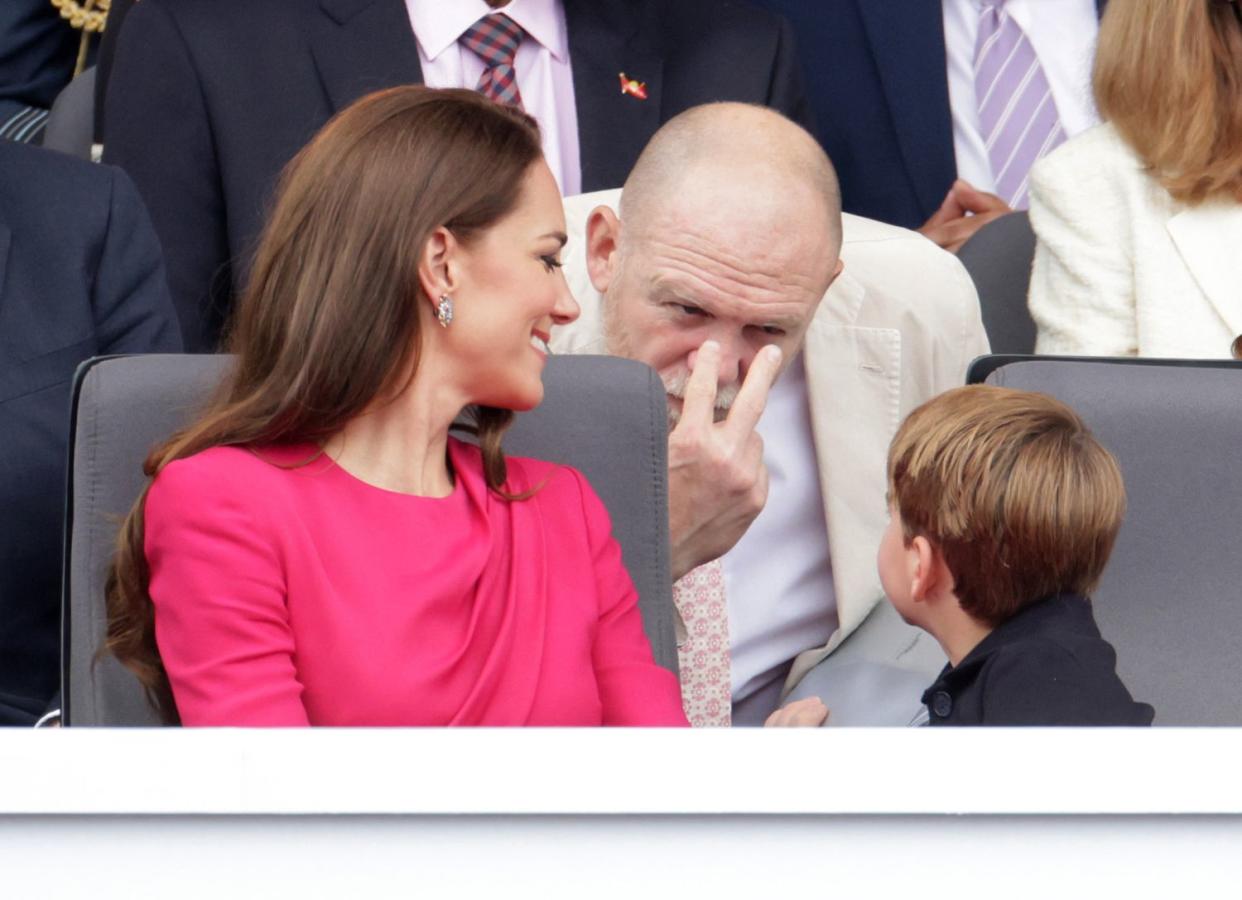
[1017,114]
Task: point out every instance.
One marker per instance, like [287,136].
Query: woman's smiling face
[511,293]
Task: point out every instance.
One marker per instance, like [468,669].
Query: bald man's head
[747,159]
[729,230]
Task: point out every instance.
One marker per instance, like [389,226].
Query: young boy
[1004,511]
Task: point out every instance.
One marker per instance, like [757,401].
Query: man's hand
[717,482]
[951,226]
[807,713]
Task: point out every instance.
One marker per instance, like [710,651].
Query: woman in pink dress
[316,548]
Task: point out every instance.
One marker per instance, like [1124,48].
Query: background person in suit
[694,265]
[37,53]
[208,100]
[80,276]
[1139,220]
[893,88]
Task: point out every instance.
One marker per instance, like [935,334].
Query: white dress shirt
[778,577]
[544,74]
[1063,34]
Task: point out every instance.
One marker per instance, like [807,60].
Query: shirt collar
[1057,612]
[438,24]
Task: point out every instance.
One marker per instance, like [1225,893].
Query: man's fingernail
[774,352]
[709,345]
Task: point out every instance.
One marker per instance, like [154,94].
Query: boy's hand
[809,712]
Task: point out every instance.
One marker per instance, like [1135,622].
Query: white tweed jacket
[1123,269]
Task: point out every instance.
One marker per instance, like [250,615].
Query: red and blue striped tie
[495,39]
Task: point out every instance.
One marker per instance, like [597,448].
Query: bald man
[791,342]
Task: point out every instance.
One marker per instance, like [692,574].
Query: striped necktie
[495,39]
[1017,114]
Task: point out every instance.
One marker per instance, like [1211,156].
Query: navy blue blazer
[207,101]
[1048,665]
[877,77]
[80,276]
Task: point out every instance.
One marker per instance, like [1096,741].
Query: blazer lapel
[6,238]
[613,127]
[8,314]
[914,75]
[26,330]
[1208,237]
[362,46]
[854,381]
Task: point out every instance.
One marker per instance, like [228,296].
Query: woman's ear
[439,266]
[603,236]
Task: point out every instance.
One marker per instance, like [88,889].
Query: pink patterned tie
[1017,114]
[706,683]
[495,39]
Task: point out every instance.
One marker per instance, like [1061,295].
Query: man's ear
[929,576]
[603,238]
[439,265]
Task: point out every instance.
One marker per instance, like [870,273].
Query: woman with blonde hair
[1139,220]
[316,548]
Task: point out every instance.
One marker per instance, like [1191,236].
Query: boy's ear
[929,576]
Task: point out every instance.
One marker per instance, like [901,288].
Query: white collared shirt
[1063,34]
[778,577]
[544,74]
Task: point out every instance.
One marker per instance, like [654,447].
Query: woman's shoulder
[1098,152]
[526,473]
[230,471]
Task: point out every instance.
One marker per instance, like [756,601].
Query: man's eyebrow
[560,236]
[667,293]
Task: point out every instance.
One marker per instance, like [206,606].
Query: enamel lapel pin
[633,87]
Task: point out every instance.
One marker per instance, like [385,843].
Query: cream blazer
[1123,269]
[899,325]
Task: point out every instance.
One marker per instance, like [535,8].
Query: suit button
[942,703]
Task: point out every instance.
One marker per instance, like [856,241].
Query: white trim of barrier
[626,771]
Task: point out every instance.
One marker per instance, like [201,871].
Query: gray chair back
[1171,598]
[999,259]
[601,415]
[71,123]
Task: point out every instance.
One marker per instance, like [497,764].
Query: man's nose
[735,359]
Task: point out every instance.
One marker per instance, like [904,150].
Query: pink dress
[291,594]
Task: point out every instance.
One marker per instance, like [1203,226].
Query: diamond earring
[444,310]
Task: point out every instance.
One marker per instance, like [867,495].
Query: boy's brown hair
[1013,491]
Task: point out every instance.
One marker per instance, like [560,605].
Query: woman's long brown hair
[329,319]
[1168,76]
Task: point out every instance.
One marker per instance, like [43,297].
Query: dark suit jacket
[80,276]
[877,78]
[208,100]
[103,60]
[1047,665]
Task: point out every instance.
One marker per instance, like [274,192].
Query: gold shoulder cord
[88,16]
